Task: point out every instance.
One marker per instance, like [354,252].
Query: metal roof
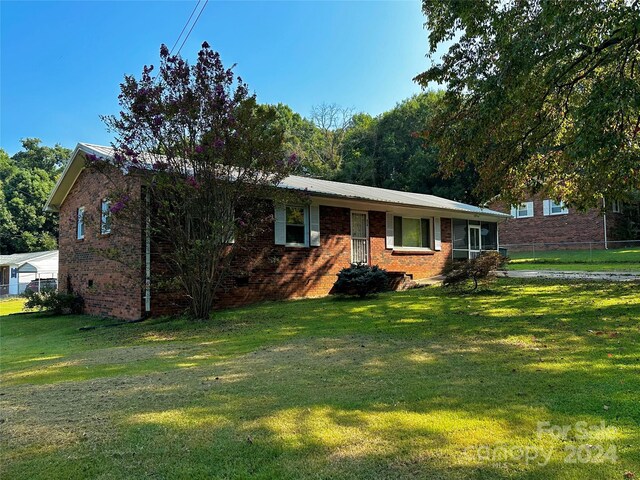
[313,186]
[375,194]
[22,258]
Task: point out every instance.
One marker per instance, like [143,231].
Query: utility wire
[192,25]
[185,27]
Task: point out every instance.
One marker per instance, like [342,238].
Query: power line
[185,27]
[193,25]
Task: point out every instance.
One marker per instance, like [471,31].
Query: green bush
[361,280]
[54,302]
[459,273]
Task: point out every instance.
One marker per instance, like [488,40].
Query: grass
[624,259]
[11,305]
[413,384]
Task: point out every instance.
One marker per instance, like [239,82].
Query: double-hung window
[80,224]
[297,222]
[558,208]
[551,207]
[412,232]
[297,225]
[524,210]
[616,206]
[105,217]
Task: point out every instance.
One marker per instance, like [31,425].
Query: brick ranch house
[547,224]
[307,245]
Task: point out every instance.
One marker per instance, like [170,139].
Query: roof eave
[465,213]
[50,206]
[69,176]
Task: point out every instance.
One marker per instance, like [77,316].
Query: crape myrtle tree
[209,158]
[542,95]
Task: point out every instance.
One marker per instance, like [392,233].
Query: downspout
[604,221]
[147,254]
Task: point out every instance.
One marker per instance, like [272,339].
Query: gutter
[604,221]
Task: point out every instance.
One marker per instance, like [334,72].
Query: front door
[359,237]
[474,241]
[4,280]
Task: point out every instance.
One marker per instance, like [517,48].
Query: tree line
[26,179]
[385,151]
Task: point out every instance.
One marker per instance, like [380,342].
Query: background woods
[26,179]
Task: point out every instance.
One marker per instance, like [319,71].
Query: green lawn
[418,384]
[12,305]
[624,259]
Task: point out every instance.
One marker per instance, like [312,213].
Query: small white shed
[17,270]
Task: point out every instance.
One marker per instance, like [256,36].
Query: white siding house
[17,270]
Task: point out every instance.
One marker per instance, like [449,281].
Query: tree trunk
[201,294]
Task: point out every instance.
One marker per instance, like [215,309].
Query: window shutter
[529,209]
[437,234]
[389,230]
[546,207]
[514,212]
[280,225]
[314,214]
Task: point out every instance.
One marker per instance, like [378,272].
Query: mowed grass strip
[414,384]
[623,259]
[11,305]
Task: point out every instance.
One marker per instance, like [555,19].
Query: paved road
[608,276]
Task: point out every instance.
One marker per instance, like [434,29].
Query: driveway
[568,275]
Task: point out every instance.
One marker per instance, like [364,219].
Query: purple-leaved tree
[209,158]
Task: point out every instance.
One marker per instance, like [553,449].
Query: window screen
[295,225]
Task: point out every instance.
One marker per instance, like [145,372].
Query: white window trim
[548,205]
[515,210]
[305,210]
[417,249]
[104,216]
[413,249]
[616,206]
[563,209]
[80,223]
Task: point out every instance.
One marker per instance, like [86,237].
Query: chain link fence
[542,248]
[615,255]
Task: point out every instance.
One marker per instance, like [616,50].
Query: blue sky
[62,62]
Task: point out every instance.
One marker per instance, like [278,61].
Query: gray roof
[362,192]
[99,150]
[326,188]
[22,258]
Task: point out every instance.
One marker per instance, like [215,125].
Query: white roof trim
[20,259]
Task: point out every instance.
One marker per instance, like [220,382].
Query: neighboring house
[17,270]
[408,234]
[547,224]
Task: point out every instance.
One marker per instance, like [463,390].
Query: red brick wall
[574,227]
[116,283]
[280,272]
[422,265]
[271,271]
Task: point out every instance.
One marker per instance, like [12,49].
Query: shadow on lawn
[409,386]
